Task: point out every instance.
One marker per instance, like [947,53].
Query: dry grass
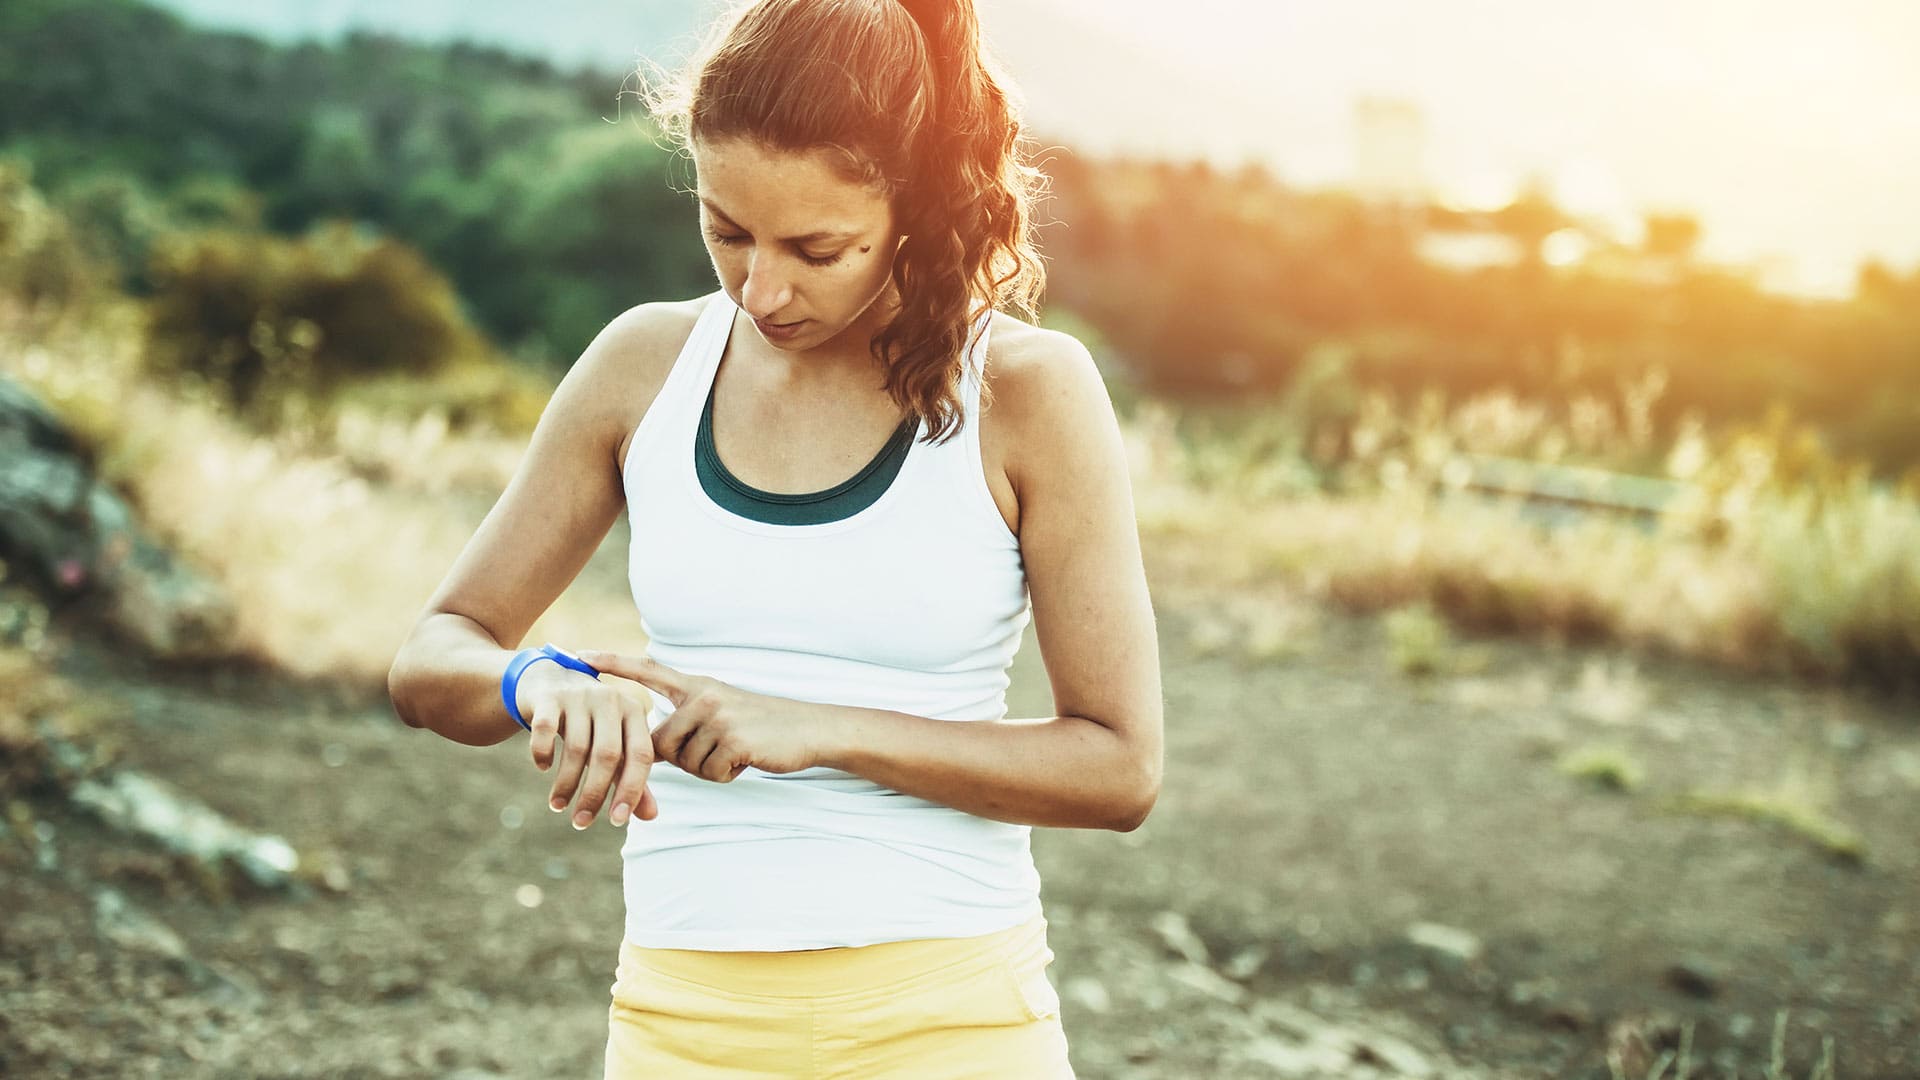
[330,541]
[1680,1061]
[1779,560]
[1610,766]
[327,571]
[1800,801]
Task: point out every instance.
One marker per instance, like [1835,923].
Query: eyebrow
[808,238]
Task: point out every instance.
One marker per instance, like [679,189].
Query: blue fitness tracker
[510,682]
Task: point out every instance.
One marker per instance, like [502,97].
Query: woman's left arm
[1097,764]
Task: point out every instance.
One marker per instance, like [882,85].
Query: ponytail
[966,215]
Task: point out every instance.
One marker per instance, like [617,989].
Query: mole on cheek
[864,248]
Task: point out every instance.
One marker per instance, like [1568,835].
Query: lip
[774,330]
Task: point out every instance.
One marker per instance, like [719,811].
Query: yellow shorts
[978,1008]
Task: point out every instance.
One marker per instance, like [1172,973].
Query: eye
[735,241]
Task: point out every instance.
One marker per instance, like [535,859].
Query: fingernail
[620,813]
[557,805]
[582,820]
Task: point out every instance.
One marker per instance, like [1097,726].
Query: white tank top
[915,603]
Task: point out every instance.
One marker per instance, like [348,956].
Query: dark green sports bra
[843,500]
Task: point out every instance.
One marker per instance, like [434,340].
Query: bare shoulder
[1046,393]
[1032,370]
[632,358]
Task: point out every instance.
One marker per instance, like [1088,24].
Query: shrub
[271,325]
[42,258]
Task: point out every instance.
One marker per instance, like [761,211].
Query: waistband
[840,972]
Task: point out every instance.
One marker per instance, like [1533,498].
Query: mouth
[778,327]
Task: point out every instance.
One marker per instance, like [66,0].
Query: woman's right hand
[608,750]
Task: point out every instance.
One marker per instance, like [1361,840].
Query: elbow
[1135,813]
[396,692]
[1137,801]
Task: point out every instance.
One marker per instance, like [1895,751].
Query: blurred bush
[271,326]
[43,260]
[1776,551]
[1840,550]
[470,396]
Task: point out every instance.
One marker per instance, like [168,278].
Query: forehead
[782,191]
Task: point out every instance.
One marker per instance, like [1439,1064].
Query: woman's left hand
[717,730]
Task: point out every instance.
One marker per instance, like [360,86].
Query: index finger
[644,670]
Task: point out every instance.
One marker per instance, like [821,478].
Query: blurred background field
[1486,470]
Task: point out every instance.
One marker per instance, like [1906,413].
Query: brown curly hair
[906,95]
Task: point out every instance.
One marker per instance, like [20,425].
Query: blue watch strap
[510,681]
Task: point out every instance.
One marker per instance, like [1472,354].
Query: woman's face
[793,242]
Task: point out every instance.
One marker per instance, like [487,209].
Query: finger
[603,760]
[544,727]
[698,749]
[636,761]
[723,765]
[576,727]
[670,737]
[649,806]
[644,670]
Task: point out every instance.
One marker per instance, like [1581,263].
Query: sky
[1791,129]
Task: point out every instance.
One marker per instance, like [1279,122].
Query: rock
[1449,941]
[400,982]
[1290,1059]
[1207,981]
[1303,1045]
[1396,1056]
[336,879]
[227,987]
[1568,1015]
[45,857]
[130,928]
[1693,978]
[139,804]
[1527,991]
[73,536]
[1175,932]
[1246,963]
[1087,992]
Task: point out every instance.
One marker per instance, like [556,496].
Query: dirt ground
[1350,872]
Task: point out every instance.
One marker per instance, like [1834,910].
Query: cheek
[727,262]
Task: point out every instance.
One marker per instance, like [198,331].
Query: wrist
[539,678]
[830,736]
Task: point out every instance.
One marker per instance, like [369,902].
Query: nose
[766,291]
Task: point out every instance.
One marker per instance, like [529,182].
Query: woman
[851,483]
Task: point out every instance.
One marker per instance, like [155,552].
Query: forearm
[446,678]
[1063,771]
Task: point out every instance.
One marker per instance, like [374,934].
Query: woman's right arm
[562,500]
